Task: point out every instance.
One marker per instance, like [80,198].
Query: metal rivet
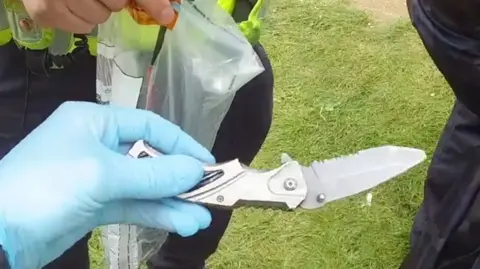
[321,198]
[220,198]
[290,184]
[26,24]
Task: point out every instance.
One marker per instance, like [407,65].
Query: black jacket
[450,30]
[459,16]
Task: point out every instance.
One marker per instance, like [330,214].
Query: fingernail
[167,16]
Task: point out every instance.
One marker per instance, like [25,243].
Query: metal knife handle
[231,184]
[281,188]
[212,172]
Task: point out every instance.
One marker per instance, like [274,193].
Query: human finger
[174,216]
[56,15]
[131,125]
[150,178]
[115,5]
[71,22]
[90,11]
[160,10]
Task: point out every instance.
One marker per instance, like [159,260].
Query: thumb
[160,10]
[152,178]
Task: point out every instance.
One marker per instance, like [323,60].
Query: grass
[343,83]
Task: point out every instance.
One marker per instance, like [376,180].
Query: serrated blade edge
[341,177]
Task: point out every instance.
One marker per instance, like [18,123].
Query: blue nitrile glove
[70,175]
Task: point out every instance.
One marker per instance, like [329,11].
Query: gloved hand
[70,175]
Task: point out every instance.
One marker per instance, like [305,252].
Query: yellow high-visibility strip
[5,36]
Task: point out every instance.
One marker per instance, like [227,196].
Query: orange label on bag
[142,17]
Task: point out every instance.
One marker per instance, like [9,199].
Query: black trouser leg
[45,94]
[241,136]
[461,134]
[462,131]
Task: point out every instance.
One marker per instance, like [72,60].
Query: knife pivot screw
[290,184]
[220,198]
[321,198]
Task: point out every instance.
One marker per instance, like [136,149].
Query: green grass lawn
[343,83]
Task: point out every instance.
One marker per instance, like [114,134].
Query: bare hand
[81,16]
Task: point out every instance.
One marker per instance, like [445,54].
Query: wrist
[4,264]
[5,259]
[12,247]
[18,251]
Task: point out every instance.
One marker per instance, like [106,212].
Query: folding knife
[291,186]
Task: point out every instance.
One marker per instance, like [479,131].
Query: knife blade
[345,176]
[290,186]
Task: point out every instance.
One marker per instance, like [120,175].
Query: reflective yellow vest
[15,23]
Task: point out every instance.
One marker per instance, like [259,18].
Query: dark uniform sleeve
[3,259]
[450,31]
